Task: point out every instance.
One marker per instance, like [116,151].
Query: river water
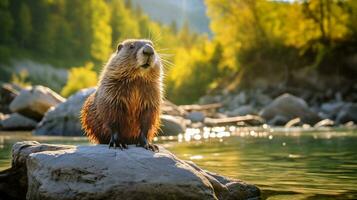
[291,164]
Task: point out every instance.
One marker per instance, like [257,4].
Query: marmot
[125,109]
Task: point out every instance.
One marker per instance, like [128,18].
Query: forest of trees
[265,38]
[251,38]
[66,32]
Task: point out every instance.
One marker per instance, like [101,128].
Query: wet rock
[16,121]
[13,181]
[239,99]
[96,172]
[347,113]
[172,125]
[34,102]
[241,111]
[7,94]
[331,109]
[195,116]
[262,99]
[290,107]
[63,120]
[278,120]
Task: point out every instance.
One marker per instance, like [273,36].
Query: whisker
[167,49]
[166,55]
[158,37]
[167,63]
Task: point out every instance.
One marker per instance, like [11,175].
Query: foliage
[79,78]
[195,72]
[251,39]
[259,33]
[20,79]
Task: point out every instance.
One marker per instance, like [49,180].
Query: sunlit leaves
[101,45]
[79,78]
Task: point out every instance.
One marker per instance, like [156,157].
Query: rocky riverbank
[291,106]
[45,112]
[44,171]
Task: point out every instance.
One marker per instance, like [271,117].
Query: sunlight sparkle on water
[196,157]
[197,134]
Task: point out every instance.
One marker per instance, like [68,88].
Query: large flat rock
[96,172]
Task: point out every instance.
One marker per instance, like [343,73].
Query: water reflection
[312,165]
[286,165]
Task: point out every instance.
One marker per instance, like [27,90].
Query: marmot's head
[134,58]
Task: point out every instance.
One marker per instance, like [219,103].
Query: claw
[143,142]
[116,143]
[152,147]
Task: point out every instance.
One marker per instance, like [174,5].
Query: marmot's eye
[131,46]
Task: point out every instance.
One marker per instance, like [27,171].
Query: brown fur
[127,100]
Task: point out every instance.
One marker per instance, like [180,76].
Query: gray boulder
[172,125]
[242,111]
[16,121]
[8,93]
[278,120]
[196,116]
[237,100]
[331,109]
[33,102]
[262,99]
[63,120]
[290,107]
[347,113]
[96,172]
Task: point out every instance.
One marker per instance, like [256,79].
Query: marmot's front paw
[115,142]
[119,145]
[149,146]
[143,142]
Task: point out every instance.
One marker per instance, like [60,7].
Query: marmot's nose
[148,50]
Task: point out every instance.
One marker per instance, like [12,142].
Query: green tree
[122,23]
[102,38]
[6,22]
[79,22]
[24,28]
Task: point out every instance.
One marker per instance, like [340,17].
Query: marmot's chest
[135,99]
[139,97]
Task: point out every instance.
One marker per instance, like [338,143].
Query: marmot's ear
[119,47]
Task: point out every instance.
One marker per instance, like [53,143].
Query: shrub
[79,78]
[21,79]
